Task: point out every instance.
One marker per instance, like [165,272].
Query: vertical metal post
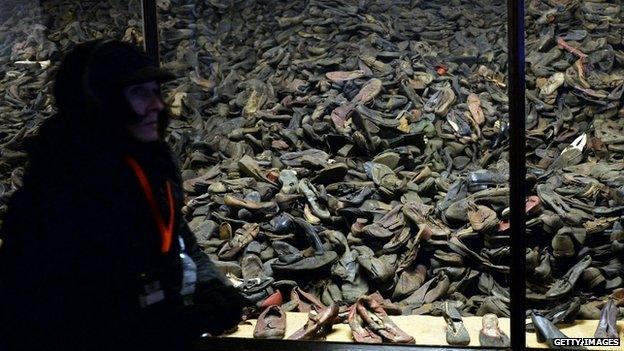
[517,179]
[150,29]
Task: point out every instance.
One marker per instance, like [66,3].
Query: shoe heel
[539,336]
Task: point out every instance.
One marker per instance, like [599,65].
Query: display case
[351,154]
[357,168]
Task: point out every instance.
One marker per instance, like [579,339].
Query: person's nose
[157,103]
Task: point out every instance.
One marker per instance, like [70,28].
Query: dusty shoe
[481,218]
[458,246]
[409,281]
[590,310]
[388,306]
[305,302]
[352,290]
[432,290]
[390,159]
[383,177]
[271,324]
[440,102]
[552,222]
[248,204]
[464,282]
[563,246]
[422,216]
[250,167]
[331,293]
[493,305]
[242,237]
[320,259]
[377,231]
[356,198]
[377,320]
[399,240]
[251,265]
[318,324]
[546,332]
[484,179]
[331,174]
[456,333]
[290,183]
[311,194]
[607,325]
[592,278]
[490,334]
[360,331]
[543,271]
[563,243]
[565,284]
[379,269]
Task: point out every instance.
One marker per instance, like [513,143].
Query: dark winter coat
[79,234]
[80,243]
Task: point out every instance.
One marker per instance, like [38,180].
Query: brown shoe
[458,246]
[377,320]
[242,237]
[592,278]
[564,285]
[318,324]
[271,324]
[388,306]
[409,281]
[361,332]
[248,204]
[306,302]
[481,218]
[618,296]
[421,215]
[491,335]
[431,291]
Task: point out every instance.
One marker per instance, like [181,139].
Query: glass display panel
[574,85]
[348,161]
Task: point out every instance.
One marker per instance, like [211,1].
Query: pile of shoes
[342,148]
[353,152]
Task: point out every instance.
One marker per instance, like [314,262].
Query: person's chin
[152,137]
[148,137]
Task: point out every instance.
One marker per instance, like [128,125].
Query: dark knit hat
[88,90]
[115,64]
[99,69]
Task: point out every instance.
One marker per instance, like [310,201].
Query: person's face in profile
[146,101]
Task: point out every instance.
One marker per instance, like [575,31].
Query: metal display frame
[516,95]
[517,171]
[150,29]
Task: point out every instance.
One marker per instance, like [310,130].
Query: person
[96,253]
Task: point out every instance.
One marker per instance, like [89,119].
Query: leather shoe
[271,324]
[607,327]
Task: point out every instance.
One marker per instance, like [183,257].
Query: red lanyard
[166,232]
